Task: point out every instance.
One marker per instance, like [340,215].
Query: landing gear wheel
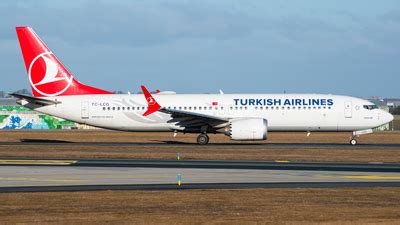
[353,141]
[203,139]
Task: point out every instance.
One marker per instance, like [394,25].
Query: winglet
[152,104]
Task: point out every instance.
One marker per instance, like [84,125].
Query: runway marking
[365,177]
[38,162]
[39,180]
[282,161]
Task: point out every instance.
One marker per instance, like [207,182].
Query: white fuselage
[284,112]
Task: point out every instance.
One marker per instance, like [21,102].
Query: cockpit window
[370,107]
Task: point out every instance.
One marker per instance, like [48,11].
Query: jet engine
[247,129]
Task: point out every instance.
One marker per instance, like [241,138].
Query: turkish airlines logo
[151,101]
[47,77]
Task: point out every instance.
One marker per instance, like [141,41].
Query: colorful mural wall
[19,117]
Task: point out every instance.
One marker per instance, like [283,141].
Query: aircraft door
[85,110]
[348,109]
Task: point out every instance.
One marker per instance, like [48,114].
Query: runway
[19,174]
[203,164]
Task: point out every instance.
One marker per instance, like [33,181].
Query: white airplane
[243,117]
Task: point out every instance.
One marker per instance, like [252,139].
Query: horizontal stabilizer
[34,100]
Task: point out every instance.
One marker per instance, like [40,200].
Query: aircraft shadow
[220,144]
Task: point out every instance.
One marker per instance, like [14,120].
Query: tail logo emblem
[151,101]
[47,76]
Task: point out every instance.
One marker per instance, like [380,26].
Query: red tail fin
[47,76]
[153,105]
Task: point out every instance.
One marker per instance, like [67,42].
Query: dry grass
[256,206]
[262,206]
[100,136]
[106,146]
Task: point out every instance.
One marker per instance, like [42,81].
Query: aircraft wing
[191,119]
[34,100]
[182,118]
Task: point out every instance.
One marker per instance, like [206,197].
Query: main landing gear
[203,139]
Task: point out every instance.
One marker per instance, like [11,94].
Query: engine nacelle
[247,129]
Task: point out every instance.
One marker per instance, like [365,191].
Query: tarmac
[30,175]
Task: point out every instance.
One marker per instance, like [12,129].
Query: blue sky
[258,46]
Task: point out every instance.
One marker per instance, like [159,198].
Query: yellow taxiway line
[40,179]
[362,177]
[373,177]
[38,162]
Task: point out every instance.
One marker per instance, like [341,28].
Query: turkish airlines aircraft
[243,117]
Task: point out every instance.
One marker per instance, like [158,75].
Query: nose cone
[387,117]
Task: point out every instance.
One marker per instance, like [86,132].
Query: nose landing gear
[353,141]
[203,139]
[356,134]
